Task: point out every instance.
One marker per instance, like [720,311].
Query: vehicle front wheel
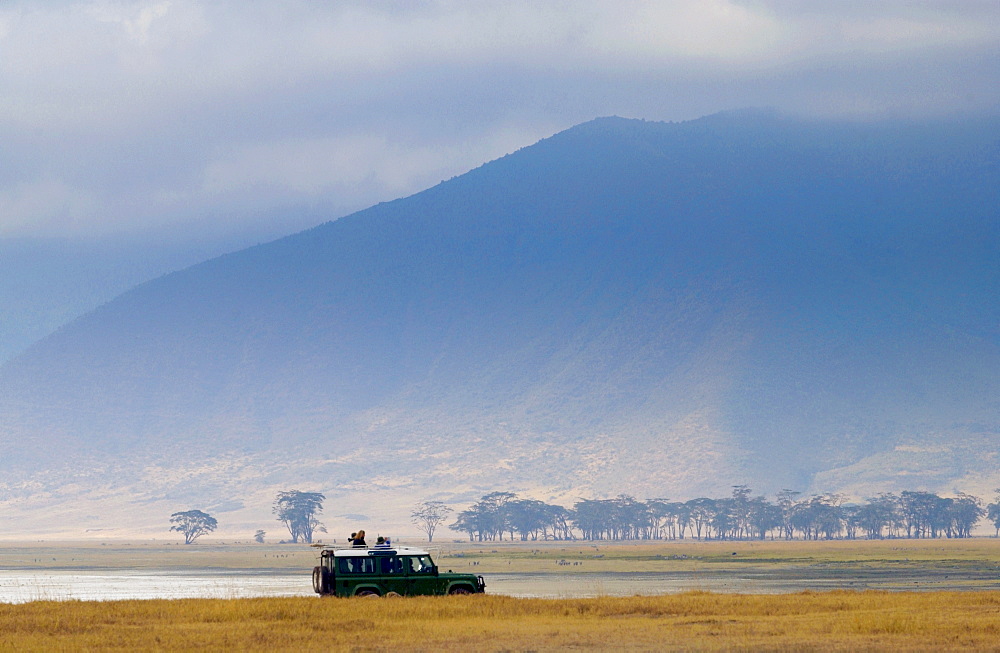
[368,594]
[460,590]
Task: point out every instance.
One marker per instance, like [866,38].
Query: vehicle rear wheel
[460,590]
[368,594]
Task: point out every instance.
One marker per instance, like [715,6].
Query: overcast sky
[127,117]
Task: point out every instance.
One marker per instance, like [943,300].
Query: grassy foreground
[829,621]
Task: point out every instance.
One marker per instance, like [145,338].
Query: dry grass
[831,621]
[822,621]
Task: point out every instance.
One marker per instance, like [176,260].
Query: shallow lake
[110,585]
[23,586]
[20,586]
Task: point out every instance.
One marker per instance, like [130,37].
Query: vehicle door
[421,576]
[392,575]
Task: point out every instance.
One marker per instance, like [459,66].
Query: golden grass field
[824,621]
[830,621]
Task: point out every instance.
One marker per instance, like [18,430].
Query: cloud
[126,115]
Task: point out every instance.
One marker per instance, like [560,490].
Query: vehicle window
[392,565]
[419,564]
[355,565]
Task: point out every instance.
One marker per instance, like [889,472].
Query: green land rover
[379,571]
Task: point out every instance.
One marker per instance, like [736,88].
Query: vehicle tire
[319,580]
[368,594]
[461,590]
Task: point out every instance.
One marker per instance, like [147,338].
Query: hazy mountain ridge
[626,306]
[46,282]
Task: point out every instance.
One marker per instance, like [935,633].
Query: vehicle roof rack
[348,551]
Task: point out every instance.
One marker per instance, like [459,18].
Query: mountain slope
[660,309]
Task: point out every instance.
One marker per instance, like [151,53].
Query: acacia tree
[591,517]
[700,512]
[468,521]
[429,515]
[786,504]
[993,513]
[763,517]
[297,511]
[876,516]
[532,518]
[488,518]
[670,518]
[193,524]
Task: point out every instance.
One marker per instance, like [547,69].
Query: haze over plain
[161,134]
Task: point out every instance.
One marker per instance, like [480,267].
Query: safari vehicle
[379,571]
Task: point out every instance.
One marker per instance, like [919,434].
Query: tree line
[740,516]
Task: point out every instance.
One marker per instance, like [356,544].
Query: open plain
[838,595]
[553,569]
